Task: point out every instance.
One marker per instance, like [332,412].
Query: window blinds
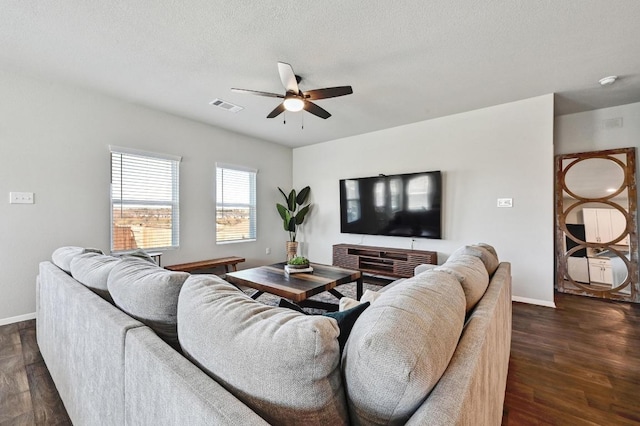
[235,203]
[144,200]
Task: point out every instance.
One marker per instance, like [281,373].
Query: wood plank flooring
[27,393]
[578,364]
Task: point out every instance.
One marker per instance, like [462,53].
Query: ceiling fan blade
[276,111]
[256,92]
[288,78]
[329,92]
[316,110]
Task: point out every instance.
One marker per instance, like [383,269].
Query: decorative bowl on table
[298,262]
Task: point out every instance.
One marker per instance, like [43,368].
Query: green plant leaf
[286,199]
[285,223]
[284,213]
[301,214]
[292,227]
[303,195]
[292,200]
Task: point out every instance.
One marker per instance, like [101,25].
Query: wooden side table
[191,267]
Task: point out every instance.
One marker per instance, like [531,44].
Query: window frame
[175,195]
[252,205]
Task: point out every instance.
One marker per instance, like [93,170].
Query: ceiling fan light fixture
[293,103]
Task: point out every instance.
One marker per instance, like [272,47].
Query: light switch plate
[505,202]
[21,197]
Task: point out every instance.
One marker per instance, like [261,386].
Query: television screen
[406,205]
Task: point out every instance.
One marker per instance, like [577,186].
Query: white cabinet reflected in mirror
[596,224]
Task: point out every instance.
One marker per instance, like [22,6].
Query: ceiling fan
[295,99]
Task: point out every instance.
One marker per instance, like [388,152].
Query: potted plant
[298,262]
[293,213]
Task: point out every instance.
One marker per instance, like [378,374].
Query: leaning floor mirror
[596,224]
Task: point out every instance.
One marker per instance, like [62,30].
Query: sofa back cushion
[148,293]
[472,275]
[400,346]
[484,252]
[63,256]
[281,363]
[92,270]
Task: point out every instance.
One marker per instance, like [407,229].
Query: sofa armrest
[472,389]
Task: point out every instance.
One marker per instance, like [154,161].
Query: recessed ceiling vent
[225,105]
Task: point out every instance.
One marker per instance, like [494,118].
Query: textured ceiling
[407,61]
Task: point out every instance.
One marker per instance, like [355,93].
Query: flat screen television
[404,205]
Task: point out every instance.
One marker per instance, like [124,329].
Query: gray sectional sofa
[129,343]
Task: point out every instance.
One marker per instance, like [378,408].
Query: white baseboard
[533,301]
[11,320]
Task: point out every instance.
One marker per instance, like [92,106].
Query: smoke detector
[606,81]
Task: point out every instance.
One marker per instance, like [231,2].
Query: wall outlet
[21,197]
[267,250]
[505,202]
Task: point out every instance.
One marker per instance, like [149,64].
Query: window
[144,200]
[235,203]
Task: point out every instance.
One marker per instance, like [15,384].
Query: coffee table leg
[336,293]
[359,288]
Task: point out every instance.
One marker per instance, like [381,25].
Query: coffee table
[300,286]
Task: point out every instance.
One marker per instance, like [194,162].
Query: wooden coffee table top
[296,287]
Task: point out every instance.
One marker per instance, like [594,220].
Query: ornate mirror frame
[596,224]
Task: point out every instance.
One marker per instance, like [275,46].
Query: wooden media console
[391,262]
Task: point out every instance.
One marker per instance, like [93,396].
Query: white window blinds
[235,203]
[144,200]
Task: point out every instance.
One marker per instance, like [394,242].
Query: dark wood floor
[27,393]
[578,364]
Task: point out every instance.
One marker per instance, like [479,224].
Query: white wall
[586,131]
[54,142]
[502,151]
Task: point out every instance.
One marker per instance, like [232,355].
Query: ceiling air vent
[225,105]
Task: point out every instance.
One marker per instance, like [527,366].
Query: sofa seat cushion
[63,256]
[472,275]
[281,363]
[400,347]
[92,270]
[148,293]
[484,252]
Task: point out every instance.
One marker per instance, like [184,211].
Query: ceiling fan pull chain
[302,121]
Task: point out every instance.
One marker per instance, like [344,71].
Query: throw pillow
[282,364]
[400,346]
[148,293]
[138,254]
[348,303]
[472,275]
[489,247]
[345,318]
